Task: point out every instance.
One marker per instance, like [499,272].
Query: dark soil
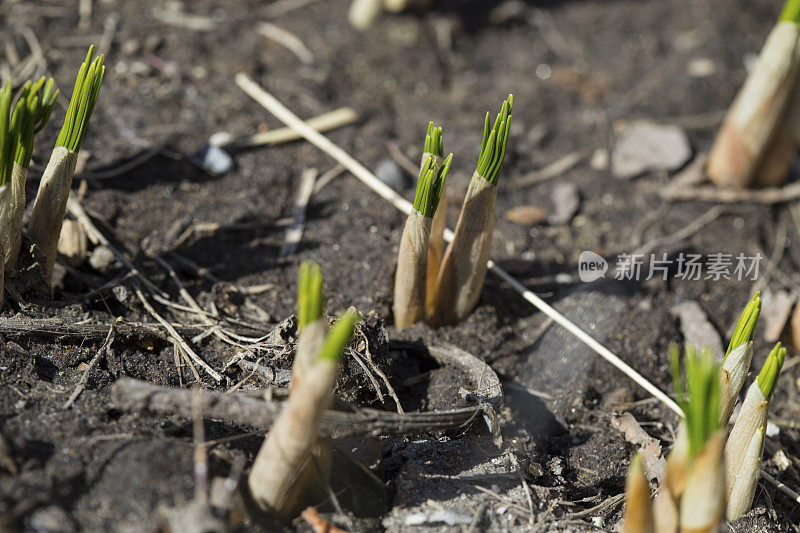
[95,468]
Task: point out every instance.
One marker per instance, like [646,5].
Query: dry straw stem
[638,505]
[703,501]
[293,456]
[51,198]
[410,286]
[464,265]
[758,111]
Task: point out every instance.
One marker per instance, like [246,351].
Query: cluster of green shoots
[699,397]
[430,185]
[495,140]
[708,476]
[81,105]
[32,110]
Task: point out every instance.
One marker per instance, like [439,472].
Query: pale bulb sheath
[51,203]
[703,501]
[284,464]
[463,268]
[638,507]
[5,208]
[409,281]
[752,418]
[19,176]
[757,111]
[731,378]
[744,488]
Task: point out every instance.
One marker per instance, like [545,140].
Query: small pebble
[391,174]
[644,146]
[566,202]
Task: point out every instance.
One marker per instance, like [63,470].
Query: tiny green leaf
[338,337]
[310,298]
[699,398]
[768,376]
[6,136]
[790,12]
[747,324]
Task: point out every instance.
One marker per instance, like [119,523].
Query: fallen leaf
[526,215]
[654,463]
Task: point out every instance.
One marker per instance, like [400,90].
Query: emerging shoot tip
[339,336]
[310,299]
[495,140]
[430,186]
[790,12]
[768,376]
[81,104]
[746,325]
[699,400]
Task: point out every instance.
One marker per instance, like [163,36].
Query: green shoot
[6,135]
[340,334]
[768,376]
[791,12]
[699,400]
[81,104]
[31,115]
[433,141]
[746,325]
[430,186]
[495,140]
[310,299]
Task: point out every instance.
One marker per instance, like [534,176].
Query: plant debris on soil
[207,254]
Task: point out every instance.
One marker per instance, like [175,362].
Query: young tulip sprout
[463,267]
[410,283]
[33,109]
[288,461]
[434,148]
[737,358]
[744,142]
[7,147]
[638,503]
[695,479]
[745,445]
[51,198]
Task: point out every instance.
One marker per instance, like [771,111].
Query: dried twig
[83,331]
[325,122]
[295,233]
[245,408]
[103,350]
[551,170]
[176,337]
[288,40]
[767,195]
